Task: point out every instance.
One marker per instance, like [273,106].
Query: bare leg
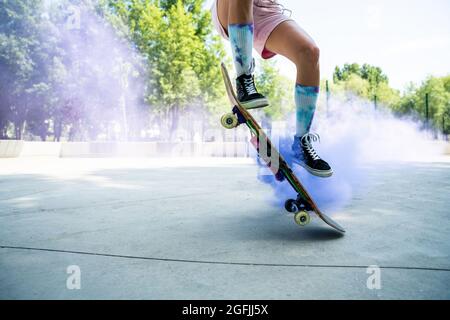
[234,12]
[240,11]
[236,16]
[291,41]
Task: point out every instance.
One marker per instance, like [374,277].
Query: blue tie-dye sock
[305,101]
[241,39]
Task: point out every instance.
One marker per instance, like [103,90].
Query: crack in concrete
[255,264]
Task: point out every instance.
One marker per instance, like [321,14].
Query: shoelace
[306,141]
[249,86]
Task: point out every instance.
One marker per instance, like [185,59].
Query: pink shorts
[266,16]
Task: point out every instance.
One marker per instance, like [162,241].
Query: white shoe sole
[255,104]
[315,172]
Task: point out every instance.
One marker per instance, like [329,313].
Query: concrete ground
[182,229]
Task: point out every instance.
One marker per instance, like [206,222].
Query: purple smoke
[353,136]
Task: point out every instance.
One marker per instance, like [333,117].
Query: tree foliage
[76,82]
[182,55]
[414,101]
[367,81]
[21,63]
[370,82]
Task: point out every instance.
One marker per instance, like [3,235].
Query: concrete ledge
[10,148]
[40,149]
[15,148]
[154,149]
[74,149]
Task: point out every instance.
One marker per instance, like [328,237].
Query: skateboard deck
[304,202]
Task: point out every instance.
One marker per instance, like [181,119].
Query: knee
[309,54]
[314,54]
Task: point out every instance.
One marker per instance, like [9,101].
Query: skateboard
[303,204]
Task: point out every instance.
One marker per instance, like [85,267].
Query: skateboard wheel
[279,176]
[302,218]
[291,206]
[229,121]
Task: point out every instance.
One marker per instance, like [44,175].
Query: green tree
[368,72]
[438,98]
[377,82]
[366,81]
[91,66]
[183,57]
[342,74]
[21,58]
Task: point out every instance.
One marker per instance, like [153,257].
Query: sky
[408,39]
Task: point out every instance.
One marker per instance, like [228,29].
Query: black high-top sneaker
[306,156]
[247,94]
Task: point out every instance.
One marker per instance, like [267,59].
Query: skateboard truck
[239,116]
[296,205]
